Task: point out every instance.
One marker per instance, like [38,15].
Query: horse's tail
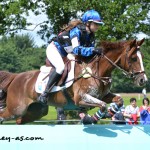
[5,79]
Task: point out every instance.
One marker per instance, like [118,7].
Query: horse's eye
[134,59]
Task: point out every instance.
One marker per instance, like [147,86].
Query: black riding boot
[53,79]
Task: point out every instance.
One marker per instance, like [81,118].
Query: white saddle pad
[43,77]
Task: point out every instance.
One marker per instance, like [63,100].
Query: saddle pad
[43,77]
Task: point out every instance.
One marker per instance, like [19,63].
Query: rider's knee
[60,69]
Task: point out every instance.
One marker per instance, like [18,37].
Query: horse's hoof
[38,108]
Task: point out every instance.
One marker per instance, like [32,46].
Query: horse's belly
[57,99]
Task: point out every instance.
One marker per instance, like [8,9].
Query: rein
[96,58]
[127,74]
[115,65]
[106,80]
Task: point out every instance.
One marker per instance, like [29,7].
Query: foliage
[18,54]
[123,19]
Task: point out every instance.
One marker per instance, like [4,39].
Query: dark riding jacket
[77,41]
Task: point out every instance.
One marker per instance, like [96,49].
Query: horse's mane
[106,45]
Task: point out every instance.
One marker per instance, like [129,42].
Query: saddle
[63,78]
[65,81]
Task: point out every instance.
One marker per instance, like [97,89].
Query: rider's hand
[97,51]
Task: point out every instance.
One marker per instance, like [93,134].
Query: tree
[9,59]
[18,54]
[123,19]
[146,51]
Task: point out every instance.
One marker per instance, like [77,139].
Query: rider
[76,38]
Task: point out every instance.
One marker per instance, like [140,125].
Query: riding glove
[97,51]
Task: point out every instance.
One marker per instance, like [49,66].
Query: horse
[85,92]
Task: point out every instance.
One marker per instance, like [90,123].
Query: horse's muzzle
[140,79]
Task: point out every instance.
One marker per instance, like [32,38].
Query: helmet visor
[97,21]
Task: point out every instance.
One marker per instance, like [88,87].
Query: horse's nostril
[141,80]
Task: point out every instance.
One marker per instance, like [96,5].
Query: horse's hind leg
[34,112]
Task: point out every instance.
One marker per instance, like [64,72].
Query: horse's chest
[98,91]
[93,91]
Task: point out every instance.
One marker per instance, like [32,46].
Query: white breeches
[55,58]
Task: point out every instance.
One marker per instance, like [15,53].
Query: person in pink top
[131,112]
[145,112]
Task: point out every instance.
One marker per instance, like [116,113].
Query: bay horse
[93,91]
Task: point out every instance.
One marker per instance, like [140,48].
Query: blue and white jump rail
[74,137]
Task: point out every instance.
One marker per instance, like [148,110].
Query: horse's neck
[106,67]
[100,66]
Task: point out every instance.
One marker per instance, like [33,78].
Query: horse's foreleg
[86,118]
[85,104]
[89,100]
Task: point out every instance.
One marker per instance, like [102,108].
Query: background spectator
[131,112]
[116,113]
[145,112]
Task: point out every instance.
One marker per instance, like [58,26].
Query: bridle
[131,74]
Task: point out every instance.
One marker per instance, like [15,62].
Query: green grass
[52,111]
[126,98]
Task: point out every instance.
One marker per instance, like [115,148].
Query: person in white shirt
[131,112]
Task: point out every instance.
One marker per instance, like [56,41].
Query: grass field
[126,97]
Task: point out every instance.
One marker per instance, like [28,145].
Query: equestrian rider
[76,38]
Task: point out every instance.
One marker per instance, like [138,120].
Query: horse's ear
[132,43]
[139,43]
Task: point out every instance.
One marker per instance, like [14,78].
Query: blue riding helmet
[93,16]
